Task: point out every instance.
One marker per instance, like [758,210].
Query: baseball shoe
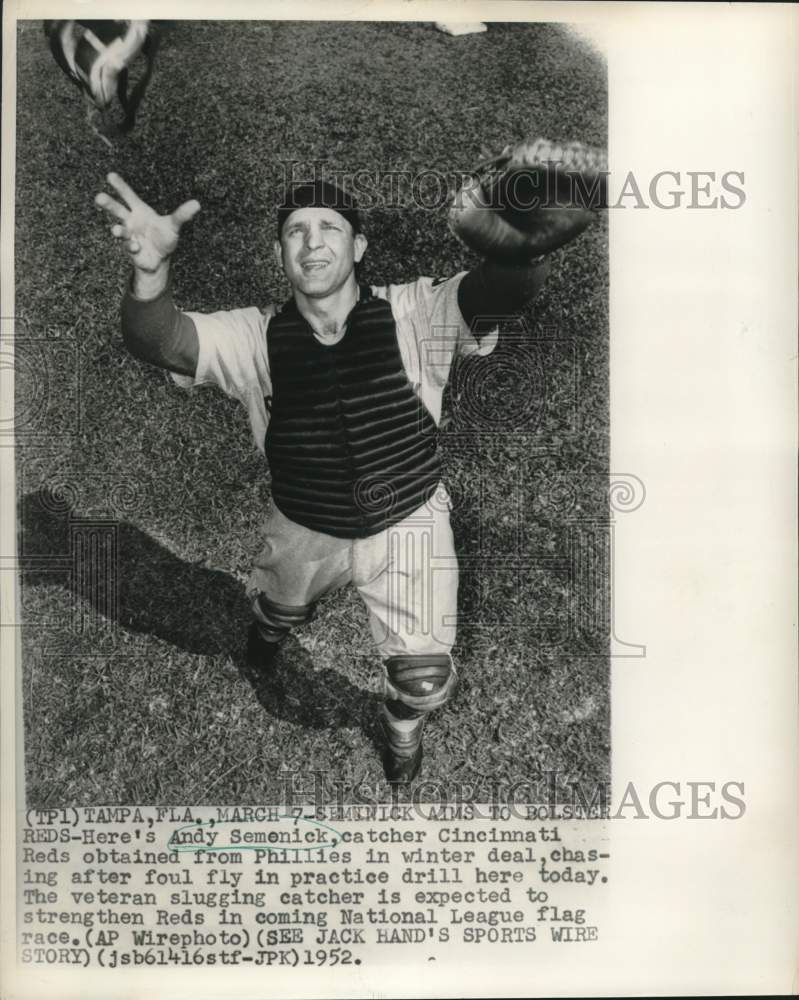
[260,653]
[402,756]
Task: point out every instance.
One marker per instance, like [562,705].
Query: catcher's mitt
[530,199]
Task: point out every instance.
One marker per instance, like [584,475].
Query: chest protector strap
[351,447]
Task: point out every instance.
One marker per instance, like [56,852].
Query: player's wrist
[148,285]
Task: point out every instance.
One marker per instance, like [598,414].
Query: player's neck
[328,316]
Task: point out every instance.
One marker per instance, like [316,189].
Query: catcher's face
[318,251]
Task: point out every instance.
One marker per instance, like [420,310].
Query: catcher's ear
[278,253]
[361,243]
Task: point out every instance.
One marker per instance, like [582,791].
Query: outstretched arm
[153,329]
[523,204]
[493,290]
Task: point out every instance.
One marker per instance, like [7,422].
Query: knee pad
[416,685]
[275,620]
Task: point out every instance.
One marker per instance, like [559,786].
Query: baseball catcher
[343,386]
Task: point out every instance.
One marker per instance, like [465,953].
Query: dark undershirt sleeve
[492,292]
[156,331]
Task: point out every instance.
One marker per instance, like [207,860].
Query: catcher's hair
[318,194]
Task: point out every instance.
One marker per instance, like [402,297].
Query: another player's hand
[149,238]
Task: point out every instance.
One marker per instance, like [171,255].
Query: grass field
[141,505]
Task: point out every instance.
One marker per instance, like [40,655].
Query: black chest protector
[351,447]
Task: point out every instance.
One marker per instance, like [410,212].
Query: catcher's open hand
[529,200]
[149,238]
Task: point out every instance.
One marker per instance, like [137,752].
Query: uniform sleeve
[233,357]
[232,351]
[430,309]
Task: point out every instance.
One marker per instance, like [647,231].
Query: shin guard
[415,685]
[275,621]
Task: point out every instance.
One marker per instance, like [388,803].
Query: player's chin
[317,284]
[315,288]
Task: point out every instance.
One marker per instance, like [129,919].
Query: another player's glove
[98,56]
[529,200]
